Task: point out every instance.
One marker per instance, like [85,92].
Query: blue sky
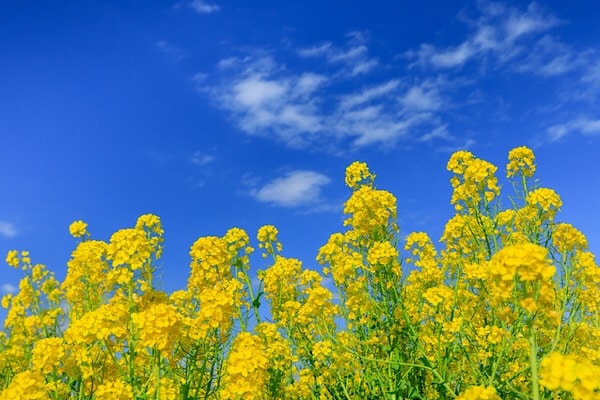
[220,114]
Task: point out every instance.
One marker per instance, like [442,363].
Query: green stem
[535,386]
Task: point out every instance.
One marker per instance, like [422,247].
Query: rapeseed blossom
[503,306]
[78,229]
[520,161]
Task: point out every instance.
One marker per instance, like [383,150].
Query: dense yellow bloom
[218,304]
[277,348]
[48,354]
[479,393]
[546,199]
[567,238]
[472,319]
[371,211]
[27,385]
[245,369]
[382,253]
[117,390]
[358,174]
[569,373]
[150,222]
[78,229]
[130,247]
[86,283]
[527,260]
[474,181]
[520,161]
[280,280]
[158,326]
[210,262]
[107,323]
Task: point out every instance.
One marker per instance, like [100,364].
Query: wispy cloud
[266,102]
[423,97]
[203,7]
[296,189]
[583,125]
[369,94]
[169,49]
[201,158]
[354,56]
[7,229]
[8,288]
[308,108]
[498,32]
[339,98]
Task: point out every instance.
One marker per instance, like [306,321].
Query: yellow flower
[371,211]
[27,385]
[571,374]
[358,174]
[78,229]
[117,390]
[545,198]
[267,236]
[479,393]
[520,160]
[382,253]
[245,369]
[566,238]
[158,326]
[12,258]
[47,354]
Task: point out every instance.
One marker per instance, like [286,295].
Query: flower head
[78,229]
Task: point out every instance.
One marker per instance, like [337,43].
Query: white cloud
[201,158]
[354,56]
[168,48]
[533,20]
[592,74]
[8,288]
[582,125]
[272,100]
[364,67]
[296,189]
[255,92]
[447,58]
[308,83]
[315,51]
[202,7]
[7,229]
[268,103]
[499,32]
[367,95]
[439,132]
[423,97]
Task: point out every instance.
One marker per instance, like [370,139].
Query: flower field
[508,307]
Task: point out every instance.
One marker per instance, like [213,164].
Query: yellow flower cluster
[520,161]
[546,199]
[474,181]
[267,236]
[571,374]
[358,174]
[158,326]
[479,393]
[26,385]
[507,307]
[117,390]
[78,229]
[245,370]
